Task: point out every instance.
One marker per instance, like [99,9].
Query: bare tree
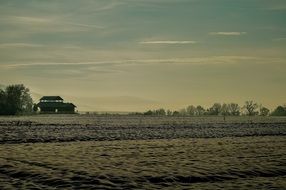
[215,109]
[200,110]
[225,110]
[160,111]
[169,112]
[191,110]
[234,109]
[264,111]
[251,108]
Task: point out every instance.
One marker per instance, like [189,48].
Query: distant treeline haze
[250,108]
[16,99]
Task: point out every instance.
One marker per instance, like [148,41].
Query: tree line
[16,99]
[250,108]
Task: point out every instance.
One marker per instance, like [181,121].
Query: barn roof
[55,105]
[71,104]
[51,98]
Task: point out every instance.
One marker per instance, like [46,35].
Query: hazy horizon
[124,55]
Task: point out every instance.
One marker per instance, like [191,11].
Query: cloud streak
[227,33]
[195,60]
[279,39]
[48,24]
[168,42]
[20,45]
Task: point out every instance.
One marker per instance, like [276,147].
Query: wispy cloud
[110,6]
[275,6]
[20,45]
[194,60]
[48,24]
[25,19]
[228,33]
[168,42]
[38,46]
[84,25]
[279,39]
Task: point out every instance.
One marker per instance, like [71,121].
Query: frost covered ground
[136,152]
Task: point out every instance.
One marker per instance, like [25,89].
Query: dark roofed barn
[51,99]
[55,104]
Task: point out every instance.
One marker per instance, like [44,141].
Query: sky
[135,55]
